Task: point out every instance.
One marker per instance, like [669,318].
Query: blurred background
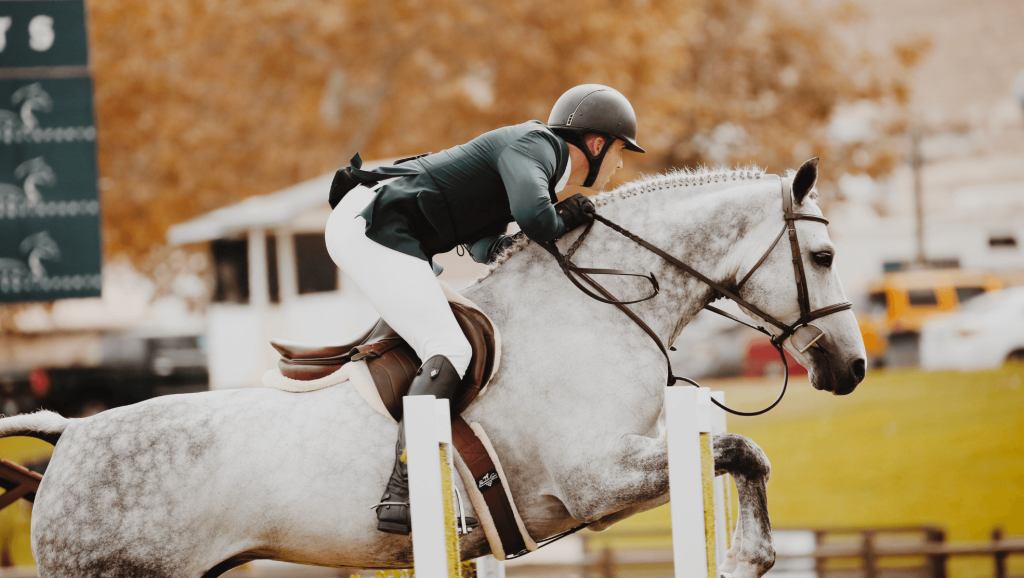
[209,132]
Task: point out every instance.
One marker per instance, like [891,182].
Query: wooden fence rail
[868,545]
[18,482]
[832,544]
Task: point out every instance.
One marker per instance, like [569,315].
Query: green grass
[905,448]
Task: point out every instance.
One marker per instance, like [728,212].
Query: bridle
[802,333]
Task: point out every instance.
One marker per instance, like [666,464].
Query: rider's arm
[526,167]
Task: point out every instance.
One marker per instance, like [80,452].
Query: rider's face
[612,162]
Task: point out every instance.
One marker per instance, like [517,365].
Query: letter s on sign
[40,31]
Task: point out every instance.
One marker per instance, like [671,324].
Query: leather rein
[787,330]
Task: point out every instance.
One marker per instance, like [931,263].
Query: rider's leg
[405,292]
[402,288]
[435,377]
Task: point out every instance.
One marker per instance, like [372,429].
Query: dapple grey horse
[191,485]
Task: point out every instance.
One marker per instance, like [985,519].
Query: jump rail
[698,501]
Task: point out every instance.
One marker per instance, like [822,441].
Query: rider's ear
[804,180]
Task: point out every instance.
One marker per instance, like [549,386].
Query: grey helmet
[594,108]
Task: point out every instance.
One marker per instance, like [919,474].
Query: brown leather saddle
[391,361]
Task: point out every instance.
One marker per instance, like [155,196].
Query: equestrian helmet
[598,109]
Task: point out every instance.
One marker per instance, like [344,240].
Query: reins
[787,330]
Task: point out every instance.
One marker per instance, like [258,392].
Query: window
[877,302]
[966,293]
[231,263]
[922,297]
[272,283]
[317,272]
[1002,242]
[231,267]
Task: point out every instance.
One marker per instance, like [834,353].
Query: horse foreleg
[612,519]
[635,475]
[753,551]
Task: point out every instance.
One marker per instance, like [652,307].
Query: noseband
[786,330]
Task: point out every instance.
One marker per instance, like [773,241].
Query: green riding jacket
[468,194]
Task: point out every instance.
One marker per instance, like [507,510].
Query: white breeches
[402,288]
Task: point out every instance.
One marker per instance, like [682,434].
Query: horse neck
[714,230]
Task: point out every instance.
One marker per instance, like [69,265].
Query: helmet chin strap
[595,162]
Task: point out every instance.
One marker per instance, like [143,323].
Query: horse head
[836,362]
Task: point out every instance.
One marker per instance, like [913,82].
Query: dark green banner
[49,203]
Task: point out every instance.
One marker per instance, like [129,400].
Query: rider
[385,240]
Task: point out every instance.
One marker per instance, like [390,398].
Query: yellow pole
[451,532]
[707,463]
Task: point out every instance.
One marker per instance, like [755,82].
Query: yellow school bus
[900,302]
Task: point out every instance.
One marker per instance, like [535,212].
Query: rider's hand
[575,211]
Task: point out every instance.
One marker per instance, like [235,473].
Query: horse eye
[823,258]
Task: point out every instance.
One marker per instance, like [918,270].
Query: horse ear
[804,180]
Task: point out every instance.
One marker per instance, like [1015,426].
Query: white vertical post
[490,567]
[718,427]
[287,268]
[259,281]
[426,418]
[686,491]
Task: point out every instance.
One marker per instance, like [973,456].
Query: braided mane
[686,177]
[678,178]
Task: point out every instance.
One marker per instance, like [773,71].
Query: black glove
[575,211]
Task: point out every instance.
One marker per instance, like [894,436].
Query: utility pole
[916,161]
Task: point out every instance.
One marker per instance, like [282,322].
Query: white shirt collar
[565,176]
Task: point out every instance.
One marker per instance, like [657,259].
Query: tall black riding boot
[436,377]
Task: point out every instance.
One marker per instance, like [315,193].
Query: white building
[275,279]
[968,103]
[974,219]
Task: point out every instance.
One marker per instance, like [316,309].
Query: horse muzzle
[828,372]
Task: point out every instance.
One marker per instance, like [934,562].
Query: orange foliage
[201,103]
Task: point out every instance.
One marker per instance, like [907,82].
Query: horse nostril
[859,369]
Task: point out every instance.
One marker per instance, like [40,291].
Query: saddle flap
[294,351]
[394,371]
[391,361]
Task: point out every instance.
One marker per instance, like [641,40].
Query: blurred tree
[201,103]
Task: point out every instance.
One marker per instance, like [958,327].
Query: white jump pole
[689,414]
[427,431]
[490,567]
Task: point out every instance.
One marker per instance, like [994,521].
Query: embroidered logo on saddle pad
[487,479]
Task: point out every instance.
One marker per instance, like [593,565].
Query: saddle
[392,362]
